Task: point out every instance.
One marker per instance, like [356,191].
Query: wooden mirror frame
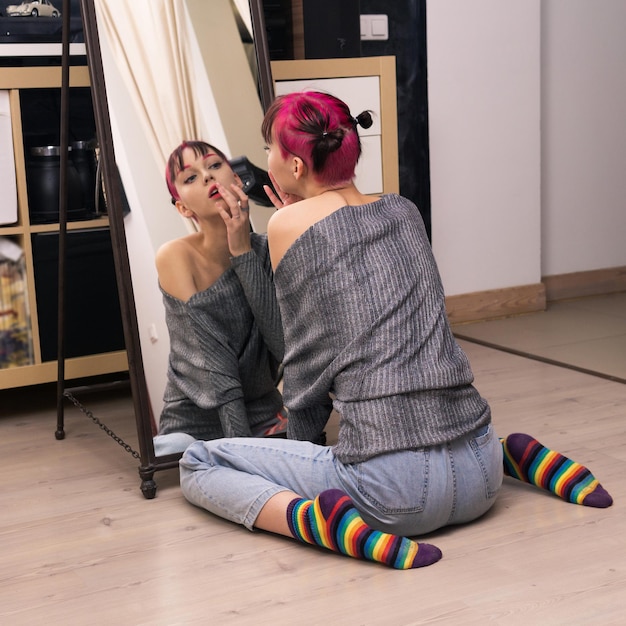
[149,462]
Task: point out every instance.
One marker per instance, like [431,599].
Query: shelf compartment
[93,322]
[16,341]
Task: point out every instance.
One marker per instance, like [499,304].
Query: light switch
[374,27]
[379,27]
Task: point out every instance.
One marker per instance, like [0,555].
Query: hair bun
[364,119]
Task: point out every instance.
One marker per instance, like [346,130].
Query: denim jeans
[409,493]
[171,443]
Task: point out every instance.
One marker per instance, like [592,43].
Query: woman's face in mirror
[196,183]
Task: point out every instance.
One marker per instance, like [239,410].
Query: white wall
[584,135]
[484,126]
[527,139]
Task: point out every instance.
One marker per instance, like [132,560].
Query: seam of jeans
[455,494]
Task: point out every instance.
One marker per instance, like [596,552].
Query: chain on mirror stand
[104,427]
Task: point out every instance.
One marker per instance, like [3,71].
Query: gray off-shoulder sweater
[225,346]
[365,323]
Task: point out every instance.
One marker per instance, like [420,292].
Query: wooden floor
[80,544]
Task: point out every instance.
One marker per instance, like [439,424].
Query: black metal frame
[259,33]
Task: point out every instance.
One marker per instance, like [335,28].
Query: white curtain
[150,42]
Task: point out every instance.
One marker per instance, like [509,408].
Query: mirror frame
[149,462]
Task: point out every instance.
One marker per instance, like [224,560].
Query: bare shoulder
[174,264]
[182,246]
[303,214]
[170,252]
[283,219]
[283,229]
[287,224]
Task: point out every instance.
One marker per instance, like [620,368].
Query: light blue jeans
[407,493]
[171,443]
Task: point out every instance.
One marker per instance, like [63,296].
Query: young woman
[366,332]
[221,310]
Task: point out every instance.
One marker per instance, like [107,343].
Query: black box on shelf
[93,321]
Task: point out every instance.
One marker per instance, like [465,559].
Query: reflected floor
[586,334]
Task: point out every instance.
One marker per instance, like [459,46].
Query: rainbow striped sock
[529,461]
[331,521]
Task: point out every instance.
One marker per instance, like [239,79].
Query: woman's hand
[282,199]
[236,218]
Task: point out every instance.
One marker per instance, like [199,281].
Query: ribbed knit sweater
[225,344]
[364,316]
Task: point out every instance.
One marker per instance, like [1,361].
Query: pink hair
[318,128]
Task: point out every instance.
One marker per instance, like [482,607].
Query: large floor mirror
[163,71]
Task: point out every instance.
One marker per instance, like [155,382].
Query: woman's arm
[234,419]
[308,424]
[223,389]
[255,275]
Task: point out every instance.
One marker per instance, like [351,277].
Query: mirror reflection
[183,70]
[226,341]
